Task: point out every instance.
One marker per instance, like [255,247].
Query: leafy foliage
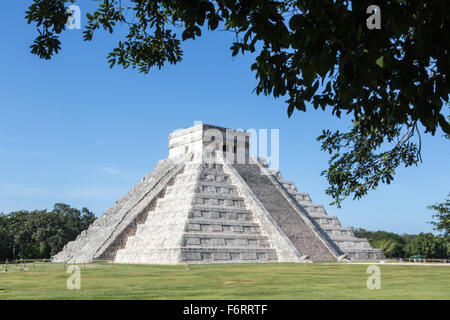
[50,18]
[355,166]
[391,243]
[407,245]
[427,245]
[41,234]
[316,52]
[391,248]
[442,216]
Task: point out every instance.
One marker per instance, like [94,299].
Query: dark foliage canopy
[318,53]
[41,233]
[406,245]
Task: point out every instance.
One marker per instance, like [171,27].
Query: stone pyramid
[211,202]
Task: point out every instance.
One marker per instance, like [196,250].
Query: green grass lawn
[251,281]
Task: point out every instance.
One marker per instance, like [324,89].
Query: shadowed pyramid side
[342,238]
[306,237]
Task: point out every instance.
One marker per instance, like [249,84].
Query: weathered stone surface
[300,233]
[199,206]
[342,239]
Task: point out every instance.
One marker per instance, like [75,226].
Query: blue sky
[74,131]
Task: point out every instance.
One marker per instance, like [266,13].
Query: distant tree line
[40,234]
[407,245]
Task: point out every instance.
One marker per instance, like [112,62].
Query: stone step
[148,255]
[224,240]
[301,197]
[338,232]
[216,184]
[363,250]
[217,190]
[196,194]
[326,220]
[184,207]
[339,228]
[329,224]
[277,175]
[204,207]
[314,209]
[209,225]
[219,196]
[348,239]
[181,192]
[187,175]
[227,255]
[373,254]
[317,216]
[221,202]
[204,165]
[172,203]
[288,185]
[223,215]
[198,182]
[145,242]
[218,166]
[209,186]
[305,203]
[143,229]
[217,176]
[202,188]
[200,170]
[313,205]
[213,170]
[344,246]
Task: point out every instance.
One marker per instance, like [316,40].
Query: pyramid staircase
[201,219]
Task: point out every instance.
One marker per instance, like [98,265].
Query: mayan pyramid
[211,202]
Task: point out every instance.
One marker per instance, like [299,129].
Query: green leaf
[380,62]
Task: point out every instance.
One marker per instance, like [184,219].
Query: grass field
[252,281]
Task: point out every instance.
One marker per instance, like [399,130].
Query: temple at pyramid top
[205,138]
[197,206]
